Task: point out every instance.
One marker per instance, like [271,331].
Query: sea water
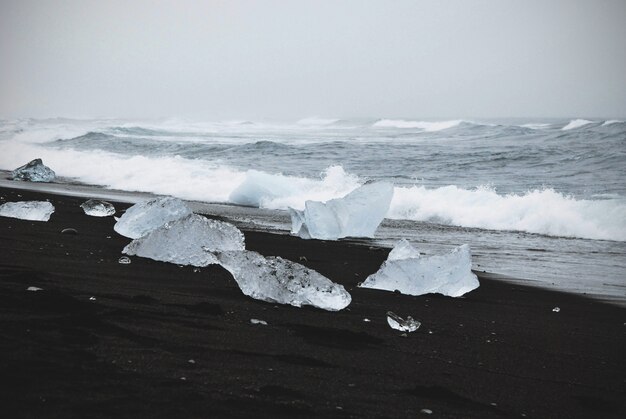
[540,200]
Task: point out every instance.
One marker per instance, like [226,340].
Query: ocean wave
[315,121]
[423,125]
[542,211]
[576,123]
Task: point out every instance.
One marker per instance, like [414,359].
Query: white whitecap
[576,123]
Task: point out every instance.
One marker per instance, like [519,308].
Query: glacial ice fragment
[27,210]
[124,260]
[403,325]
[278,280]
[97,208]
[258,321]
[146,216]
[34,289]
[188,241]
[34,171]
[450,274]
[357,214]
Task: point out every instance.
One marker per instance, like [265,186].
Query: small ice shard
[450,274]
[146,216]
[34,171]
[97,208]
[34,289]
[27,210]
[92,298]
[188,241]
[258,321]
[191,361]
[398,323]
[278,280]
[556,309]
[357,214]
[124,260]
[70,231]
[426,411]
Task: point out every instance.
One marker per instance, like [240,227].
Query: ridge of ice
[146,216]
[97,208]
[188,241]
[34,171]
[279,280]
[357,214]
[449,274]
[27,210]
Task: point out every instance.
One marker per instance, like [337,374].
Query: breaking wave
[423,125]
[576,123]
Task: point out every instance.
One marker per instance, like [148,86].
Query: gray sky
[252,59]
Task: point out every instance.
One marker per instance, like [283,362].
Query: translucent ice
[145,216]
[403,325]
[357,214]
[34,171]
[403,250]
[97,208]
[188,241]
[282,281]
[27,210]
[448,274]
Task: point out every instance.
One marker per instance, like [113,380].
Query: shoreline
[279,222]
[105,339]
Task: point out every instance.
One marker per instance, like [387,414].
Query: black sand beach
[152,339]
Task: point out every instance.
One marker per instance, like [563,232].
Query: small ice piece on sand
[357,214]
[398,323]
[27,210]
[450,274]
[97,208]
[556,309]
[34,171]
[146,216]
[278,280]
[34,289]
[124,260]
[188,241]
[258,321]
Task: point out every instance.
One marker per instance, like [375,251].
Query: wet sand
[152,339]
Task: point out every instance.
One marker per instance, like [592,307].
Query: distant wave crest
[423,125]
[576,123]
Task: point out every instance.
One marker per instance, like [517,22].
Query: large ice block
[27,210]
[34,171]
[357,214]
[282,281]
[450,274]
[97,208]
[188,241]
[146,216]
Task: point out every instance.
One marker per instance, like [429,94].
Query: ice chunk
[188,241]
[398,323]
[34,289]
[27,210]
[403,250]
[97,208]
[124,260]
[34,171]
[146,216]
[448,274]
[357,214]
[258,321]
[282,281]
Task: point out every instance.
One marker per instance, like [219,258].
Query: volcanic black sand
[153,339]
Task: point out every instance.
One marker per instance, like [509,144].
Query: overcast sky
[252,59]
